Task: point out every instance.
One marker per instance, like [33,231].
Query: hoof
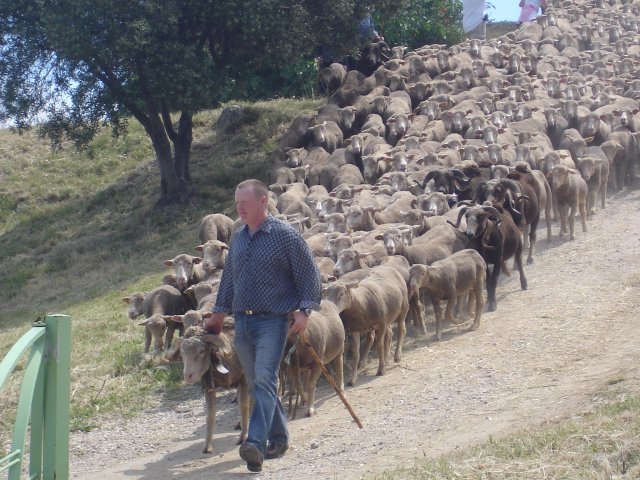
[491,307]
[208,450]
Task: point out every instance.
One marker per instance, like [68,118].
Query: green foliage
[415,23]
[293,79]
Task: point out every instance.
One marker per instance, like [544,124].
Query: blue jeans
[260,342]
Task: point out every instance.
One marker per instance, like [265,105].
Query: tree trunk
[182,145]
[173,188]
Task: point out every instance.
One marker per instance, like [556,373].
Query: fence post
[57,398]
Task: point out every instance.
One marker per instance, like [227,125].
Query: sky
[505,10]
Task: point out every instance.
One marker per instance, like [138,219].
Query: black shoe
[276,450]
[252,455]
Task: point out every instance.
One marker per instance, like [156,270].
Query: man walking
[474,20]
[269,274]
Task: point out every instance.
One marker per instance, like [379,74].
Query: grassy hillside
[497,29]
[78,231]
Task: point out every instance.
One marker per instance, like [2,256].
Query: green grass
[599,444]
[79,230]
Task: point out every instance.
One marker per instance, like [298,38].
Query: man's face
[251,209]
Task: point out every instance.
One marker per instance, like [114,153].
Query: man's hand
[213,324]
[299,324]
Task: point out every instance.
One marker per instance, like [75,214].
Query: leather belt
[253,312]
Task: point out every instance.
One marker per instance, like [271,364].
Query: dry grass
[497,29]
[79,230]
[603,443]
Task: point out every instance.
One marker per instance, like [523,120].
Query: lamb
[335,245]
[449,278]
[359,218]
[331,205]
[298,134]
[347,174]
[214,254]
[373,303]
[213,359]
[326,266]
[393,212]
[326,336]
[158,306]
[327,135]
[216,226]
[352,266]
[188,270]
[595,172]
[205,296]
[292,193]
[570,190]
[330,78]
[436,244]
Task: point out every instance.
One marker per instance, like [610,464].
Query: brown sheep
[216,226]
[595,172]
[187,269]
[214,254]
[374,303]
[570,191]
[447,279]
[212,359]
[158,306]
[326,336]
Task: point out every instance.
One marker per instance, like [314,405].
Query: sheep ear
[196,260]
[207,315]
[173,318]
[199,248]
[126,300]
[175,355]
[143,322]
[168,263]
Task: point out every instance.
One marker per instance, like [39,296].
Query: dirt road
[544,354]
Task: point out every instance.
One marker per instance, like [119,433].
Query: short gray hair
[259,188]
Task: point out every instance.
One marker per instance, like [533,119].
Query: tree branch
[168,124]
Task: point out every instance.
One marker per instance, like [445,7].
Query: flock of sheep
[417,182]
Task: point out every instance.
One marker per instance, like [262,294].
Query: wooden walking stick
[329,378]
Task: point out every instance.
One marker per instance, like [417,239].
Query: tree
[415,23]
[73,66]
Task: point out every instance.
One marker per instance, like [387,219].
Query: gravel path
[545,353]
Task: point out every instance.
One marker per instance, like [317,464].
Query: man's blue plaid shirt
[271,271]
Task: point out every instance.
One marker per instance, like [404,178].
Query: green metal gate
[44,398]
